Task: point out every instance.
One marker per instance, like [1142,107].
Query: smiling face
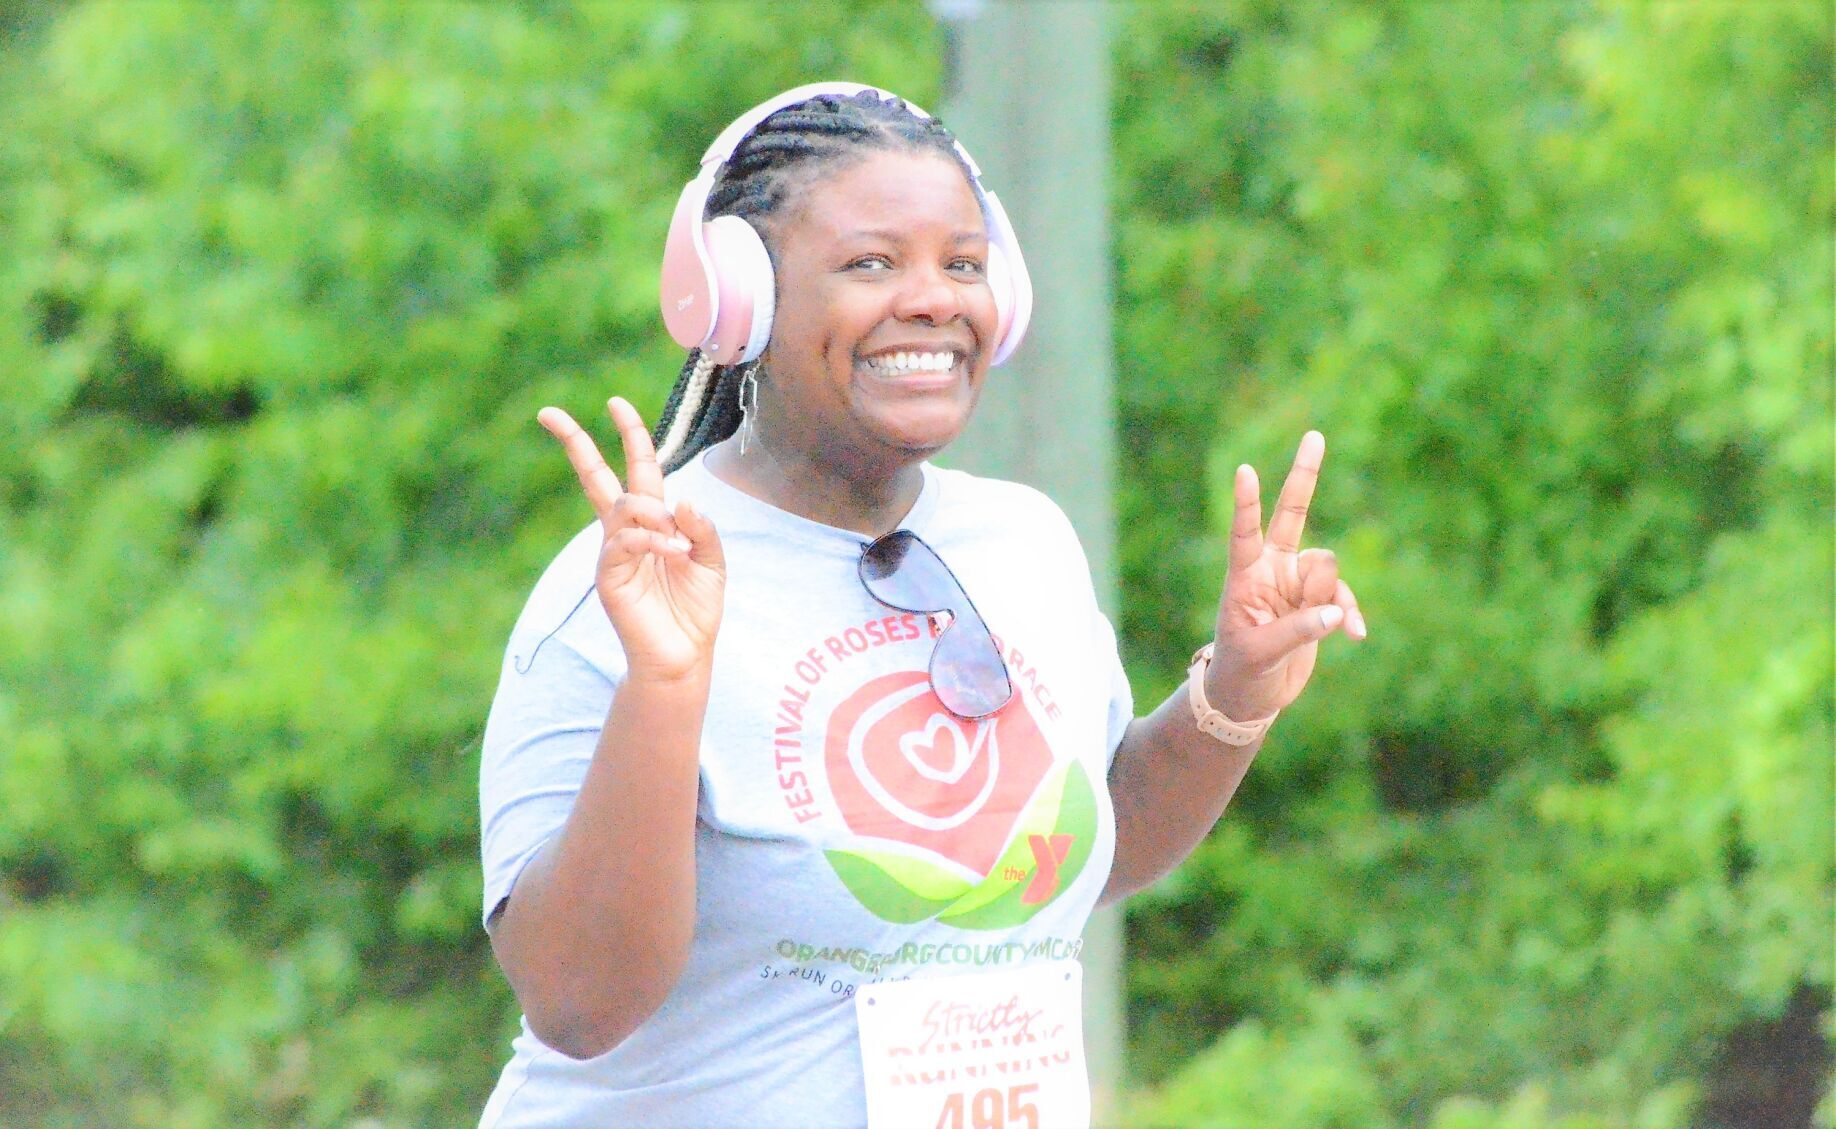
[885,322]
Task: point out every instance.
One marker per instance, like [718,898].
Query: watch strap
[1210,721]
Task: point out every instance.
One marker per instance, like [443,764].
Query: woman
[797,823]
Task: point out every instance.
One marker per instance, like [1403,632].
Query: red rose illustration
[904,768]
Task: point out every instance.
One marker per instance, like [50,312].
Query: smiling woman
[883,335]
[853,212]
[734,855]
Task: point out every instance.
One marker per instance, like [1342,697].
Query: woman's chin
[923,424]
[924,434]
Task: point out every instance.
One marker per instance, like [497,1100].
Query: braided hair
[767,168]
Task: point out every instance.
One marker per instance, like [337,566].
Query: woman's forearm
[597,929]
[1169,783]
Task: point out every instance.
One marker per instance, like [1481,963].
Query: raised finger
[1297,494]
[1246,520]
[642,474]
[596,478]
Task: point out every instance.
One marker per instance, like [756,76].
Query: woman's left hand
[1279,601]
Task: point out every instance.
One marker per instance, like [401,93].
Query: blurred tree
[1555,282]
[284,286]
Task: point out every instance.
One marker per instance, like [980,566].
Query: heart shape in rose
[921,750]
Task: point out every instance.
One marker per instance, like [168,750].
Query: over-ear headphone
[717,288]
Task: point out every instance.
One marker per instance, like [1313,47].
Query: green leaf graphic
[1038,819]
[894,887]
[1077,818]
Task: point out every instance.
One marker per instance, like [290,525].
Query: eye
[870,263]
[968,266]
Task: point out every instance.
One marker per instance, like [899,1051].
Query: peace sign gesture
[1279,601]
[661,575]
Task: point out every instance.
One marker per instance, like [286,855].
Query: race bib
[996,1050]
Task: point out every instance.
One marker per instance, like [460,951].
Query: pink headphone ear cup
[1001,282]
[743,279]
[1008,278]
[686,291]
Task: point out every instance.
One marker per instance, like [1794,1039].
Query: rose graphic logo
[903,768]
[966,821]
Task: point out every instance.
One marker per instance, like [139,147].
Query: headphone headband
[722,147]
[729,139]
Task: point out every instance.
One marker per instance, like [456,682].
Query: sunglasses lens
[901,570]
[967,673]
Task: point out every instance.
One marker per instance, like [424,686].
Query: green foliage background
[282,286]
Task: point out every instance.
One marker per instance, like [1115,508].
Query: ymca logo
[968,822]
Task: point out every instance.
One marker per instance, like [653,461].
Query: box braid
[781,155]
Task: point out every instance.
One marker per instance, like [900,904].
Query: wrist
[1227,690]
[671,679]
[1245,726]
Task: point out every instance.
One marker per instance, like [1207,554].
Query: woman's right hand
[661,575]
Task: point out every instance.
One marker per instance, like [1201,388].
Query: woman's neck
[831,488]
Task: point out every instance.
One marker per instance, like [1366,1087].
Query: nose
[929,295]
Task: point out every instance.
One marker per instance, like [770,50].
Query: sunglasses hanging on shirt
[967,673]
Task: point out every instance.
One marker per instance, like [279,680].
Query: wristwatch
[1210,721]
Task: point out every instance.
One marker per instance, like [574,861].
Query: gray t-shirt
[849,829]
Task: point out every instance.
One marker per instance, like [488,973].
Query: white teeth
[904,361]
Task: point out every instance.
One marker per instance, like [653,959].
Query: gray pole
[1027,92]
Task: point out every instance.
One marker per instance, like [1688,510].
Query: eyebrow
[892,235]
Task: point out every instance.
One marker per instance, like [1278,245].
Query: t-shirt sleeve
[552,698]
[1121,696]
[544,726]
[1060,537]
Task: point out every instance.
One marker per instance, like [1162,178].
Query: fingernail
[680,544]
[1330,615]
[1357,622]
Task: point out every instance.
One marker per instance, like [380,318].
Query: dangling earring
[748,404]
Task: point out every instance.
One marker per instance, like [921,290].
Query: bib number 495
[987,1109]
